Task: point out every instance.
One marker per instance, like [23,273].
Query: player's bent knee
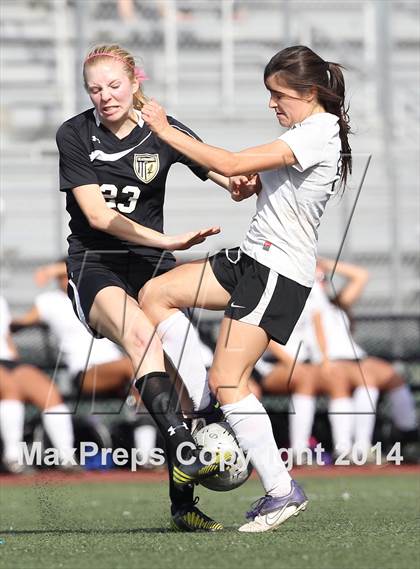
[157,293]
[214,382]
[221,381]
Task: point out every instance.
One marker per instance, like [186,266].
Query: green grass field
[361,523]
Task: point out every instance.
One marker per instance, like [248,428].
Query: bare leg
[36,387]
[303,379]
[8,388]
[12,416]
[238,347]
[381,374]
[189,285]
[118,317]
[108,377]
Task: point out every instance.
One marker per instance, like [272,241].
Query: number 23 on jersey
[110,193]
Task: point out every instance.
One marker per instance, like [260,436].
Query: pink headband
[139,74]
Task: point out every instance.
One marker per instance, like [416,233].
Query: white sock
[403,408]
[252,427]
[145,440]
[59,428]
[12,417]
[342,421]
[182,345]
[365,400]
[301,418]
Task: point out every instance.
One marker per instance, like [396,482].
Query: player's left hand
[154,116]
[243,187]
[187,240]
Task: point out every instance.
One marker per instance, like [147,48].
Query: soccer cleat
[269,512]
[194,473]
[189,518]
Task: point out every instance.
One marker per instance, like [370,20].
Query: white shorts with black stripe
[259,295]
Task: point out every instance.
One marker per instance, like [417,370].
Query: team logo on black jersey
[146,166]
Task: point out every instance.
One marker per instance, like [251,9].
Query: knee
[213,379]
[220,382]
[216,380]
[152,294]
[147,293]
[393,382]
[9,389]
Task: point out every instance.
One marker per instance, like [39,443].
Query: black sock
[161,400]
[179,496]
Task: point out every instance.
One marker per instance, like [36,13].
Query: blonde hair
[120,54]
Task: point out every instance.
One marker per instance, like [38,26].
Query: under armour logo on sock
[172,430]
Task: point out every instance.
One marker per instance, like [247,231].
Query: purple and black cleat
[269,512]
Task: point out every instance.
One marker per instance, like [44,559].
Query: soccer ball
[220,436]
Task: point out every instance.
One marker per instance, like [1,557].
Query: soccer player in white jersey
[20,383]
[265,282]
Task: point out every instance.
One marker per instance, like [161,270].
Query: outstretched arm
[220,180]
[265,157]
[102,218]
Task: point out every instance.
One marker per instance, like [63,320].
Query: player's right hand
[243,187]
[187,240]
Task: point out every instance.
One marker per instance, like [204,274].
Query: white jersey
[283,233]
[5,319]
[339,341]
[55,309]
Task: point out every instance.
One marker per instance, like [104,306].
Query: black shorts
[89,273]
[259,295]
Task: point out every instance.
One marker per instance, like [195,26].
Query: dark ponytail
[337,106]
[302,70]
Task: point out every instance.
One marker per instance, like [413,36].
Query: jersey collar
[140,121]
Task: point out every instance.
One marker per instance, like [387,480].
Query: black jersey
[131,173]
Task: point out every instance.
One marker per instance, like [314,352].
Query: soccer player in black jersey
[113,169]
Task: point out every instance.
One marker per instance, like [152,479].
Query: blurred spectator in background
[20,383]
[334,348]
[94,365]
[340,369]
